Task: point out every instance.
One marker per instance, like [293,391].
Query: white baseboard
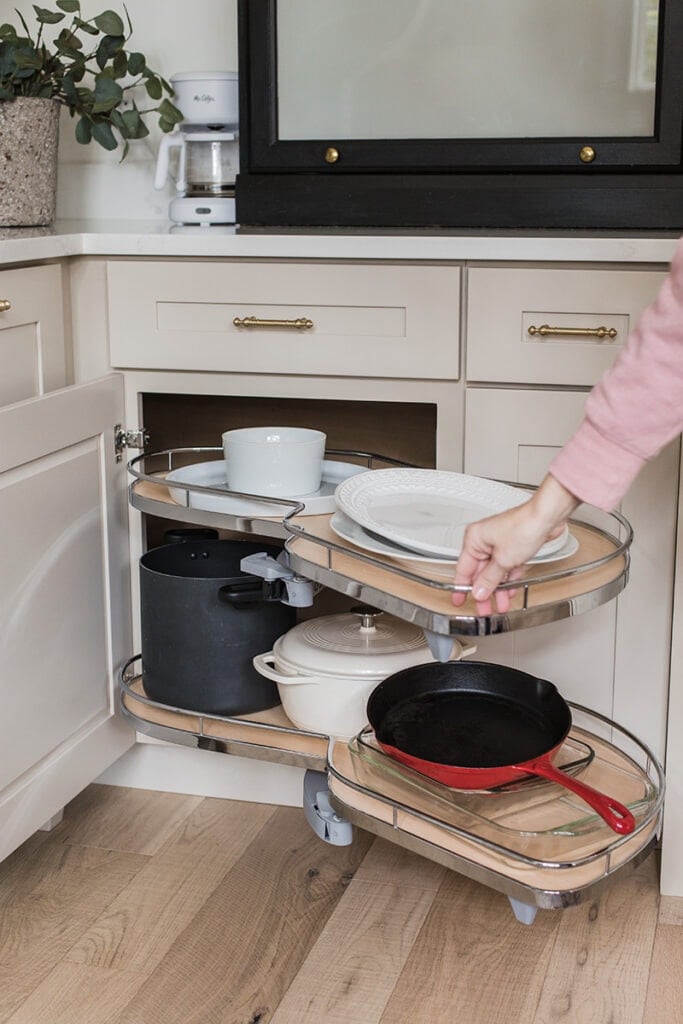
[174,769]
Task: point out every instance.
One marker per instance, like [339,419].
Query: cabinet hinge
[129,439]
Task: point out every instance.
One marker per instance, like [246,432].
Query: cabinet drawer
[506,306]
[32,353]
[367,320]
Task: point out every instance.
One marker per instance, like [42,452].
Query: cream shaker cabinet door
[32,350]
[614,659]
[64,600]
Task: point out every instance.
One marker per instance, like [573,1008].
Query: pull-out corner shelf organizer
[535,842]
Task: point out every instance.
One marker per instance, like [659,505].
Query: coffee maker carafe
[208,150]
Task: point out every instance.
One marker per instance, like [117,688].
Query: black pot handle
[252,590]
[242,592]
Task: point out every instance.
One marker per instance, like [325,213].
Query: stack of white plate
[220,499]
[420,515]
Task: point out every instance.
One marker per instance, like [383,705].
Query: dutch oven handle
[250,590]
[265,666]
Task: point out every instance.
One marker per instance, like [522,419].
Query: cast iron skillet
[476,725]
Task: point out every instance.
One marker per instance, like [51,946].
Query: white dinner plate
[349,530]
[214,474]
[428,510]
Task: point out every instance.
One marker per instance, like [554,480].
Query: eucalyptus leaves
[88,69]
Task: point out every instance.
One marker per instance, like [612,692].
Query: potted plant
[86,67]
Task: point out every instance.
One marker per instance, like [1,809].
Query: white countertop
[142,238]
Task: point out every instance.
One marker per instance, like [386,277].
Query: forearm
[552,504]
[636,407]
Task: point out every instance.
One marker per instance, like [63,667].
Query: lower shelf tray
[267,735]
[539,843]
[535,842]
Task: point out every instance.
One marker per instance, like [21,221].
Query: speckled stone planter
[29,133]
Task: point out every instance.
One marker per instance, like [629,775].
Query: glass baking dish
[533,818]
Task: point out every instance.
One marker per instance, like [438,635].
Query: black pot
[203,620]
[182,534]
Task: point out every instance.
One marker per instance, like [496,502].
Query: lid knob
[367,615]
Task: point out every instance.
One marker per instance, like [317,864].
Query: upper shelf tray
[594,574]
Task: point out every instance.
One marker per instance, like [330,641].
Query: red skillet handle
[618,817]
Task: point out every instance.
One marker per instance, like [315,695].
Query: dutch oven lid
[363,643]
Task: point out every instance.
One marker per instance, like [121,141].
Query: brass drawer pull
[301,323]
[5,304]
[576,332]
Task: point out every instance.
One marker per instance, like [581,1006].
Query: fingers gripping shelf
[594,574]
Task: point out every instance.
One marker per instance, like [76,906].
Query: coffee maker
[208,150]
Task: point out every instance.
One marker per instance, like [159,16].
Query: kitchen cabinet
[32,341]
[469,423]
[509,433]
[64,600]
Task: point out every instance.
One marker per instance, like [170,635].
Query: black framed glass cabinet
[462,113]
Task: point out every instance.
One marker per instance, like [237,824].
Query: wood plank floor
[152,908]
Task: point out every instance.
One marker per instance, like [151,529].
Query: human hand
[496,549]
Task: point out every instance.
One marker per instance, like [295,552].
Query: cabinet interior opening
[398,430]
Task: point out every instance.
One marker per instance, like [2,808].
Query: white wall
[174,35]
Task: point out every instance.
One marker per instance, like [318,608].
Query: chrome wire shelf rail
[621,548]
[150,465]
[205,735]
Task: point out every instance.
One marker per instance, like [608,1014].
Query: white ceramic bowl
[282,462]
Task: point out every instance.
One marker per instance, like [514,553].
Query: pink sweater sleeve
[635,408]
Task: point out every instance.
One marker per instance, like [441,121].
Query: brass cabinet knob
[331,155]
[587,154]
[5,304]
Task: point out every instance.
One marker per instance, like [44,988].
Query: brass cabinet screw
[587,154]
[331,155]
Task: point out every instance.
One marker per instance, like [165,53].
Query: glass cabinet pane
[488,69]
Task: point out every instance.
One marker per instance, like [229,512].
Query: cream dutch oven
[326,668]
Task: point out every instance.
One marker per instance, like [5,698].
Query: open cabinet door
[64,600]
